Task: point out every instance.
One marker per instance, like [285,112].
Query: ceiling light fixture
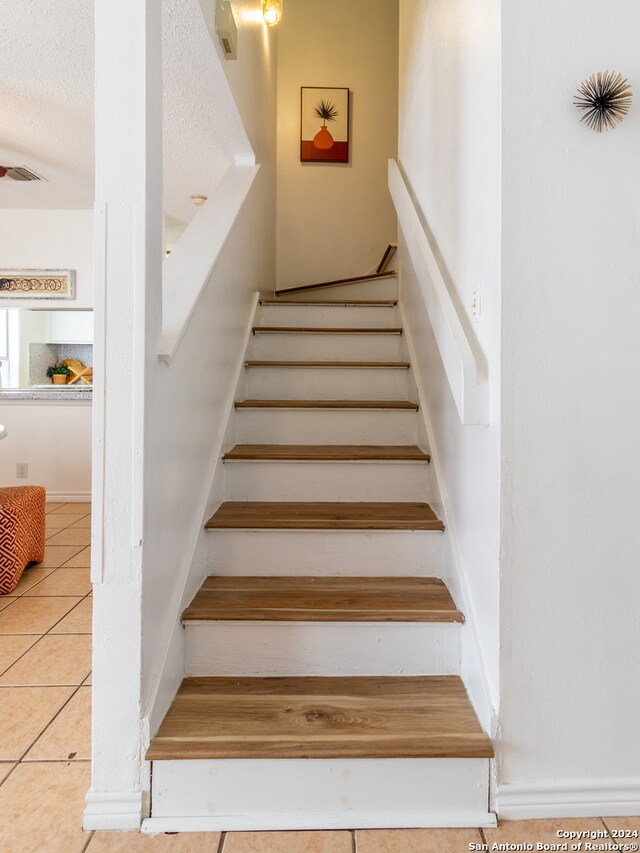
[199,200]
[272,12]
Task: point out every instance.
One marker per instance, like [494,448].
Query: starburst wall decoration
[605,99]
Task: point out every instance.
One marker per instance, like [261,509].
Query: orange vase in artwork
[323,139]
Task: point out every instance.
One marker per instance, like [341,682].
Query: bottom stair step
[372,717]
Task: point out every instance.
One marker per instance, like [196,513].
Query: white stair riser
[384,288]
[318,426]
[267,794]
[321,648]
[328,481]
[280,383]
[325,315]
[325,553]
[326,347]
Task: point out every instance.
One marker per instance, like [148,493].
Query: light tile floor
[45,740]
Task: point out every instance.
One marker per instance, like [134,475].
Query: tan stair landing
[326,599]
[324,515]
[318,717]
[327,453]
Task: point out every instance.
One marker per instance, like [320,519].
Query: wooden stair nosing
[320,717]
[324,515]
[402,405]
[322,599]
[337,303]
[336,282]
[354,365]
[327,453]
[324,330]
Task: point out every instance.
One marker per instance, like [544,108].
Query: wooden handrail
[389,252]
[353,280]
[469,386]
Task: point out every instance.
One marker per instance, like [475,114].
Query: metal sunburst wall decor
[605,99]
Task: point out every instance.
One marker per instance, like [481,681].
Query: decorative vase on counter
[59,378]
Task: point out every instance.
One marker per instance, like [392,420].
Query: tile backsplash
[42,356]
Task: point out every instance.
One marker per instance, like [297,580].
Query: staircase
[323,652]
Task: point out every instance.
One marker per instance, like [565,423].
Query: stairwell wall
[335,220]
[571,409]
[449,153]
[190,395]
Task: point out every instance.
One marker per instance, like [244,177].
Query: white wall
[55,440]
[571,404]
[336,220]
[49,239]
[449,152]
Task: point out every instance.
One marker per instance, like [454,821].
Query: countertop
[60,395]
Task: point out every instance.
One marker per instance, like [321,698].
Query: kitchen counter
[58,394]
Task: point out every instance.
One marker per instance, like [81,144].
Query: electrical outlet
[475,305]
[22,470]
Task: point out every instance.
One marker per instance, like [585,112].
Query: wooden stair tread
[328,452]
[327,404]
[400,365]
[341,303]
[323,599]
[324,515]
[325,330]
[336,282]
[320,717]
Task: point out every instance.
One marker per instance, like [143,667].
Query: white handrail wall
[469,386]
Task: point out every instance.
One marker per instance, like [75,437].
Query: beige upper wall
[335,220]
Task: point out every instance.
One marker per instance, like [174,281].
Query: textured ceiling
[46,105]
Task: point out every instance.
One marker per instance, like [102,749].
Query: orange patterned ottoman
[21,532]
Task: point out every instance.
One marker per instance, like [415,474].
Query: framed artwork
[37,284]
[324,125]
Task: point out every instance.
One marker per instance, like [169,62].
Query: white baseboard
[116,810]
[301,821]
[69,497]
[593,798]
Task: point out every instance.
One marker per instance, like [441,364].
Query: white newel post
[128,268]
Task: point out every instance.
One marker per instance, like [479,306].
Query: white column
[127,318]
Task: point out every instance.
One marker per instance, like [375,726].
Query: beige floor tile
[83,523]
[69,735]
[74,508]
[64,582]
[41,807]
[5,768]
[59,660]
[31,576]
[88,680]
[34,615]
[56,555]
[71,537]
[288,842]
[6,600]
[13,647]
[533,831]
[134,842]
[58,521]
[78,621]
[416,840]
[81,561]
[26,711]
[50,506]
[623,824]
